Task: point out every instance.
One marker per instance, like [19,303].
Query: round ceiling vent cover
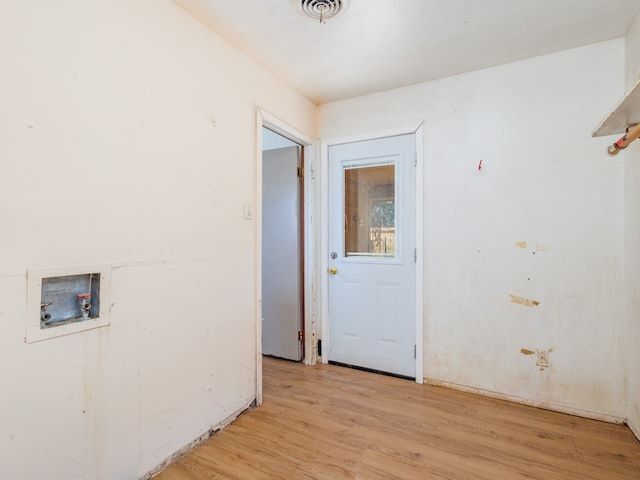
[322,9]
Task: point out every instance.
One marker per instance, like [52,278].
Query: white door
[372,254]
[281,254]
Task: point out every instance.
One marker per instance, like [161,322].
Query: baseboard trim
[635,431]
[197,441]
[531,403]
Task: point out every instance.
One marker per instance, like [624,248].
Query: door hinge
[320,347]
[414,351]
[300,335]
[415,159]
[300,172]
[415,255]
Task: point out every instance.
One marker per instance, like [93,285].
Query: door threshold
[372,370]
[281,358]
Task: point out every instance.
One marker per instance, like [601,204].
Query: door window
[370,228]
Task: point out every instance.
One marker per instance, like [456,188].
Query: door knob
[333,270]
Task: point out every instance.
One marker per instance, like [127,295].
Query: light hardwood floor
[330,422]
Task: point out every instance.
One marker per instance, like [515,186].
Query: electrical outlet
[542,358]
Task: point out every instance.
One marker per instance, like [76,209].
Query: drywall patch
[541,356]
[524,301]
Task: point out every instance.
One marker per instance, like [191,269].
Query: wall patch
[524,301]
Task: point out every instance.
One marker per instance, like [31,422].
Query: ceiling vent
[322,9]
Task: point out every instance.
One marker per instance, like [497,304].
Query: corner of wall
[631,239]
[632,283]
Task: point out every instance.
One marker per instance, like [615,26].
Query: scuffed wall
[525,257]
[632,242]
[128,138]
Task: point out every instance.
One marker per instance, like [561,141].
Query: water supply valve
[85,305]
[631,134]
[44,316]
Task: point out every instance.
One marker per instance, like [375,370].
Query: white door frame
[419,221]
[265,119]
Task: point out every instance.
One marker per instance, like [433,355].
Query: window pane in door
[370,211]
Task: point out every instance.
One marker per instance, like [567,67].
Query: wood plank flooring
[329,422]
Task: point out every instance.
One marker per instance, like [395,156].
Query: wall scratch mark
[524,301]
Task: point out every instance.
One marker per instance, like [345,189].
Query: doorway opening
[299,181]
[282,247]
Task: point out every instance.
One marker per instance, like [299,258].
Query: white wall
[632,49]
[128,138]
[545,182]
[632,240]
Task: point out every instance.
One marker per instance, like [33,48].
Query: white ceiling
[375,45]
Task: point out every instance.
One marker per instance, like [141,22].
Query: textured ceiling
[375,45]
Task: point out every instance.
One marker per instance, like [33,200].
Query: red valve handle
[83,295]
[631,134]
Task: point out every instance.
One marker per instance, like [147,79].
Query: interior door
[281,253]
[372,254]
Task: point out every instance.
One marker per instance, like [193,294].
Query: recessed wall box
[65,300]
